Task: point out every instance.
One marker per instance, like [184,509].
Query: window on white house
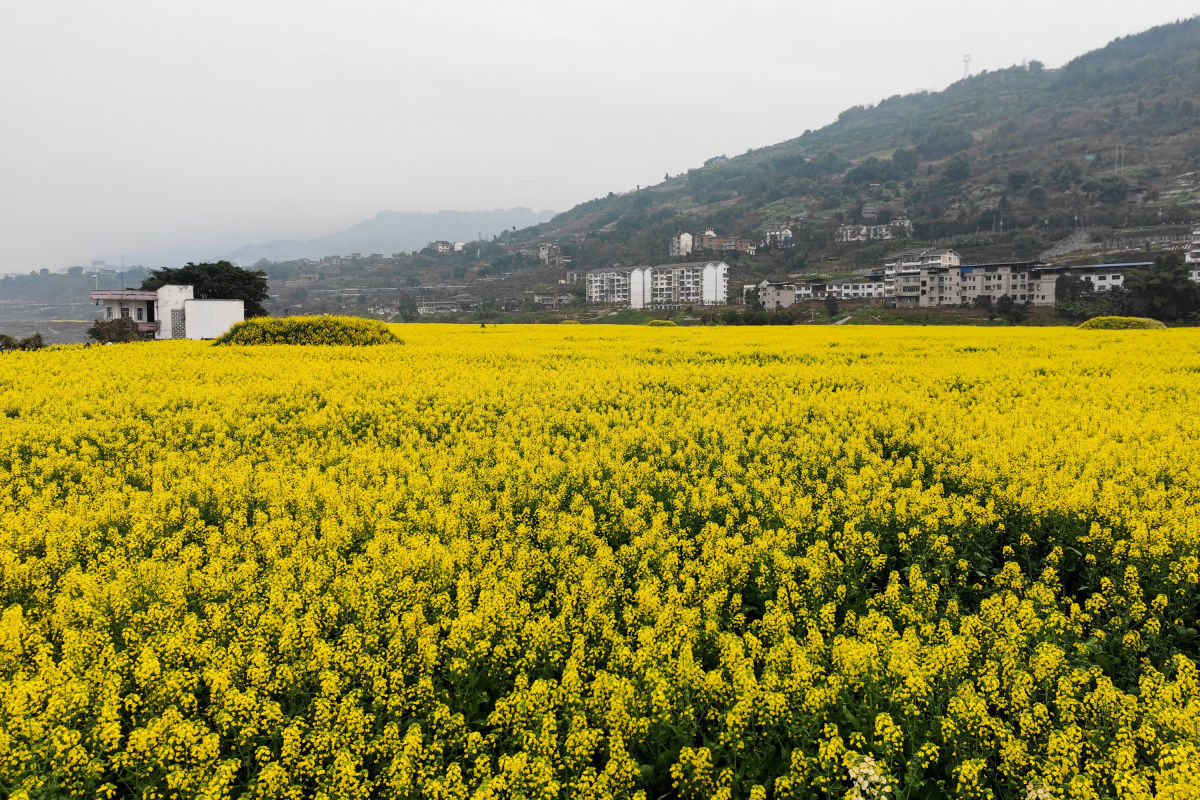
[139,314]
[108,312]
[124,313]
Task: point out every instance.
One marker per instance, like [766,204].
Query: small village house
[170,312]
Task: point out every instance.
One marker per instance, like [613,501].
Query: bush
[28,343]
[1120,324]
[319,330]
[121,329]
[661,323]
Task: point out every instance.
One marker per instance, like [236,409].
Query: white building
[608,285]
[900,229]
[171,312]
[1098,277]
[661,286]
[681,244]
[1193,252]
[775,295]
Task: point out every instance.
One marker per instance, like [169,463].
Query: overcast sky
[129,125]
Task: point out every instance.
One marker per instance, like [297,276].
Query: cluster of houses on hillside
[685,244]
[927,278]
[914,278]
[441,247]
[899,229]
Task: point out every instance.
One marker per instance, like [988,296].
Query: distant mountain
[395,232]
[1001,165]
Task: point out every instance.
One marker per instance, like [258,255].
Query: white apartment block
[661,286]
[1193,252]
[609,285]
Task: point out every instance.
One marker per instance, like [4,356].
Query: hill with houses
[1004,164]
[1097,160]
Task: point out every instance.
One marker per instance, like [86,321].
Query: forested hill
[1005,162]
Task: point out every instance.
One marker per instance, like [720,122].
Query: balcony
[123,294]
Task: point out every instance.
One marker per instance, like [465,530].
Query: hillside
[1002,164]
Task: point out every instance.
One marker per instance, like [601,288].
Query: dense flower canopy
[604,562]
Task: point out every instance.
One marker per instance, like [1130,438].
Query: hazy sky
[129,125]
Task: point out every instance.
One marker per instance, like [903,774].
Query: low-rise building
[170,312]
[546,252]
[553,299]
[1098,277]
[899,229]
[681,244]
[776,295]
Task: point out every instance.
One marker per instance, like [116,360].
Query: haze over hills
[387,232]
[395,232]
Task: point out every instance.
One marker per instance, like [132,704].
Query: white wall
[170,298]
[208,319]
[715,284]
[639,288]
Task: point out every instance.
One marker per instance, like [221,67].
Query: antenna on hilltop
[967,65]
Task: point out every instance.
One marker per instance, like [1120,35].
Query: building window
[108,312]
[124,313]
[139,314]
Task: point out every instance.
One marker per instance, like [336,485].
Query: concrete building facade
[661,286]
[170,312]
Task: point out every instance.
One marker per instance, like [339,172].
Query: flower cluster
[604,562]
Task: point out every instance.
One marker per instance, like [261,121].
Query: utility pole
[967,65]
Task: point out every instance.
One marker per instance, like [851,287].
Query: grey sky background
[130,125]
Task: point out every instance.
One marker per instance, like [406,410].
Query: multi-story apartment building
[965,284]
[661,286]
[1193,253]
[608,285]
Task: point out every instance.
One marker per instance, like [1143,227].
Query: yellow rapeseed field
[602,562]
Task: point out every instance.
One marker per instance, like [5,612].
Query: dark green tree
[957,169]
[1163,291]
[216,281]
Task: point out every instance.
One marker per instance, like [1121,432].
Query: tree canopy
[216,281]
